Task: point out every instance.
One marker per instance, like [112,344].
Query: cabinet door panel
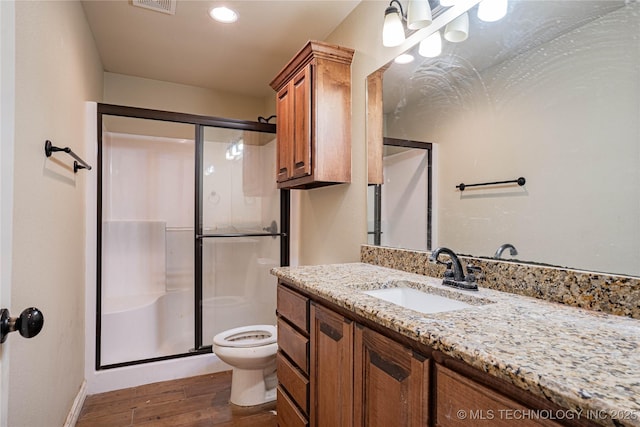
[331,369]
[284,132]
[391,382]
[478,405]
[302,123]
[287,413]
[294,381]
[294,307]
[294,345]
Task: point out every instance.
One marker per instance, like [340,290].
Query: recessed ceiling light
[223,14]
[405,58]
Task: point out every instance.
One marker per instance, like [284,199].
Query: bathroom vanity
[350,358]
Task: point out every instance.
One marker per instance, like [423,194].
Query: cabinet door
[461,402]
[391,382]
[331,369]
[284,132]
[302,123]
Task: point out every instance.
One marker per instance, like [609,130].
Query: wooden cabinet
[293,358]
[313,108]
[461,401]
[331,368]
[392,382]
[336,368]
[293,111]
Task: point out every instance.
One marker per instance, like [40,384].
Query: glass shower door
[189,225]
[147,252]
[240,230]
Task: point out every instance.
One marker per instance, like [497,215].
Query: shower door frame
[377,190]
[200,123]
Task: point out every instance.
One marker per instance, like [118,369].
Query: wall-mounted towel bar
[520,181]
[78,164]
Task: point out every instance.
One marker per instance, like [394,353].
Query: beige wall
[7,110]
[57,70]
[333,220]
[132,91]
[329,223]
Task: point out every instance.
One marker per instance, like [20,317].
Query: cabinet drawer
[294,307]
[294,382]
[479,405]
[288,414]
[294,344]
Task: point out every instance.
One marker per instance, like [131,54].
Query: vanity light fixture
[223,14]
[457,30]
[392,29]
[431,46]
[492,10]
[419,14]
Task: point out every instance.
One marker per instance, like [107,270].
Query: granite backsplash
[619,295]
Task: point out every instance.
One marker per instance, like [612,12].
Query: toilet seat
[247,336]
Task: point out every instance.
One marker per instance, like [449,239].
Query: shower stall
[189,224]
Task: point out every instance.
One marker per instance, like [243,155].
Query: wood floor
[191,402]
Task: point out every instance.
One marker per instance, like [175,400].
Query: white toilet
[251,352]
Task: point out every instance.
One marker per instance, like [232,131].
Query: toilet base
[250,387]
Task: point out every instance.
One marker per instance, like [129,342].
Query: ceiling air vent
[164,6]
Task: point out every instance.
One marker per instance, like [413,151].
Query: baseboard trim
[74,413]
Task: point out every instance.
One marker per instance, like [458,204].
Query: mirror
[551,93]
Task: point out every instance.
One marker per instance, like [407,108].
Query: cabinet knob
[29,323]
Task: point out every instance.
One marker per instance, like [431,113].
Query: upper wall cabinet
[314,117]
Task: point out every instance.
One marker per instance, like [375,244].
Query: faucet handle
[448,274]
[471,272]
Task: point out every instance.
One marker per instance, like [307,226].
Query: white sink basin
[419,301]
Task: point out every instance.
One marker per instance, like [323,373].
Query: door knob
[29,323]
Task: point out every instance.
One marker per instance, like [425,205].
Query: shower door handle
[29,323]
[273,228]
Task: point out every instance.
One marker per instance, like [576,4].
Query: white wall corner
[91,152]
[76,408]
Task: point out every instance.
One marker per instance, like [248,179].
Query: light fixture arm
[402,14]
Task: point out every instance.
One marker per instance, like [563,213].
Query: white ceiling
[190,48]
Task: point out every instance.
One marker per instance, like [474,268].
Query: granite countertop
[582,360]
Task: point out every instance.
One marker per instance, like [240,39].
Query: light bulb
[419,14]
[457,30]
[431,46]
[492,10]
[392,29]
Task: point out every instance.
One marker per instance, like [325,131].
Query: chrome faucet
[455,277]
[512,250]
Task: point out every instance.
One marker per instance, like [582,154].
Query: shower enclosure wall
[190,222]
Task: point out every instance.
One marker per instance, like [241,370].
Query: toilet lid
[247,336]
